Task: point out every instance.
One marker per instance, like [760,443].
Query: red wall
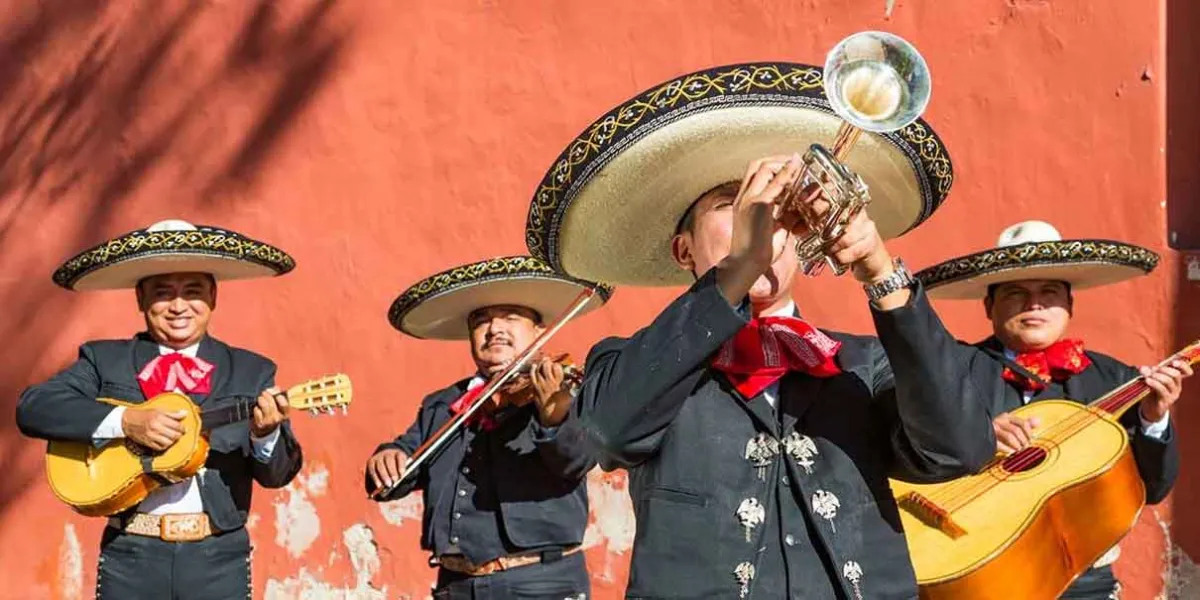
[382,141]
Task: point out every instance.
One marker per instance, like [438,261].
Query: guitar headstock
[323,394]
[1191,353]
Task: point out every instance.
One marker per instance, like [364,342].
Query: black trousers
[1094,584]
[134,567]
[564,579]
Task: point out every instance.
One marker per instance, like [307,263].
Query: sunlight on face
[177,307]
[1030,314]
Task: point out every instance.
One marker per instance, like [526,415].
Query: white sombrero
[1035,250]
[608,207]
[171,246]
[437,307]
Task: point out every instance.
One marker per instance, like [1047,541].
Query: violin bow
[438,440]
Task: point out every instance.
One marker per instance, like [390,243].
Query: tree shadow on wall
[103,100]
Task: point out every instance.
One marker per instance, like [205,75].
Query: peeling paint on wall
[297,524]
[611,523]
[1180,575]
[359,542]
[408,508]
[70,565]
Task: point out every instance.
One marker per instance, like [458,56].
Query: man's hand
[755,221]
[270,410]
[1013,432]
[386,466]
[1167,383]
[154,429]
[553,401]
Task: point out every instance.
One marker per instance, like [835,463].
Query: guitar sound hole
[1024,459]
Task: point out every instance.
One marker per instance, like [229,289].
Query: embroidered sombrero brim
[437,307]
[608,207]
[1082,263]
[122,262]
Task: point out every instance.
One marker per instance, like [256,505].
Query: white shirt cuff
[1157,429]
[110,428]
[264,447]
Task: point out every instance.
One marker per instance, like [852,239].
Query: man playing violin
[186,539]
[758,446]
[1026,284]
[506,496]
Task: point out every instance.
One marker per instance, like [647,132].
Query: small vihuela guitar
[105,480]
[1034,520]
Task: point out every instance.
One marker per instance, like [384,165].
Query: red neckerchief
[176,372]
[1058,362]
[484,420]
[768,347]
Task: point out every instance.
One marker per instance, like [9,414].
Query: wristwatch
[898,280]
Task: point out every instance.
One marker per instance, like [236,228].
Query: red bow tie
[768,347]
[484,420]
[1058,362]
[175,372]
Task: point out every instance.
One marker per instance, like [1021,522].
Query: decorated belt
[186,527]
[460,564]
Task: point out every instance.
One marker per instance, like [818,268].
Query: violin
[520,391]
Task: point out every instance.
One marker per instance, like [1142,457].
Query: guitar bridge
[931,514]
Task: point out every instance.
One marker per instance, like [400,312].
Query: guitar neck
[1129,394]
[241,410]
[316,396]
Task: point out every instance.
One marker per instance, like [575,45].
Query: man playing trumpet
[758,445]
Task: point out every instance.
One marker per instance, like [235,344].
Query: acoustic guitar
[105,480]
[1032,521]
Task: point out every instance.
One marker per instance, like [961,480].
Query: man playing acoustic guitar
[506,497]
[187,539]
[1026,285]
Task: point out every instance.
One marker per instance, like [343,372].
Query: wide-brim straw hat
[608,207]
[438,306]
[171,246]
[1035,250]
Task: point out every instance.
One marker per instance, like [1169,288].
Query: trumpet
[877,82]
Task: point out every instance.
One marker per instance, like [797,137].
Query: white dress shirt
[182,497]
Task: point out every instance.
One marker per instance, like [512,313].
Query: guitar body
[109,479]
[1039,526]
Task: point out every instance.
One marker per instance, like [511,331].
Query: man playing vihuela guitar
[506,497]
[173,267]
[1027,286]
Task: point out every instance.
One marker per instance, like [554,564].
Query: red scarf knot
[484,420]
[1058,362]
[176,372]
[768,347]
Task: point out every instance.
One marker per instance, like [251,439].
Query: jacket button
[466,470]
[454,539]
[457,515]
[462,493]
[789,540]
[784,479]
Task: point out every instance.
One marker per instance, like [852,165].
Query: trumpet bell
[877,81]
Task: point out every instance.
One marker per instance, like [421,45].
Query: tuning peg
[344,410]
[313,412]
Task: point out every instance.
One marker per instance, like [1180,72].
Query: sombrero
[171,246]
[609,205]
[1035,250]
[437,307]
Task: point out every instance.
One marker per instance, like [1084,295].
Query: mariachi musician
[1027,286]
[505,497]
[186,540]
[758,445]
